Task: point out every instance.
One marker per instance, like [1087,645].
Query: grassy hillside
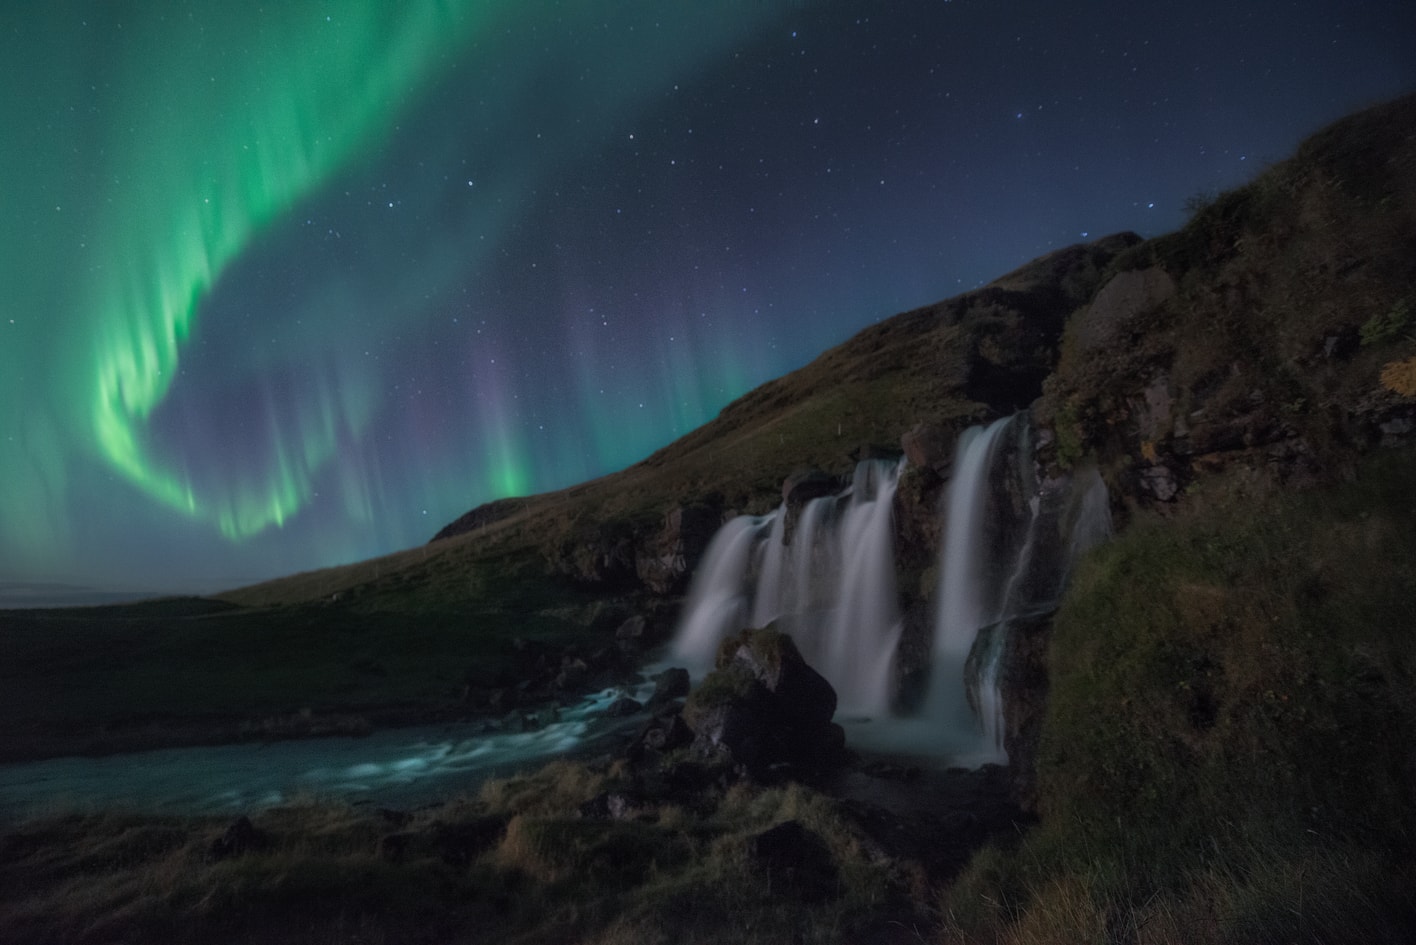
[1229,748]
[1229,753]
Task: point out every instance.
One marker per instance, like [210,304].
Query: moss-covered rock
[765,709]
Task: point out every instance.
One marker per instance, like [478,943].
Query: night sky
[292,286]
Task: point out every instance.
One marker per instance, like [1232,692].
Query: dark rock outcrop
[765,710]
[1260,338]
[624,706]
[671,684]
[930,446]
[664,562]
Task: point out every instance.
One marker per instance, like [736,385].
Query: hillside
[1219,731]
[976,355]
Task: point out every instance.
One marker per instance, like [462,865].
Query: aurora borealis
[293,285]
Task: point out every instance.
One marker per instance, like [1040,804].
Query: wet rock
[930,446]
[662,735]
[802,694]
[240,838]
[624,706]
[804,485]
[1024,685]
[796,861]
[572,673]
[801,488]
[765,710]
[671,684]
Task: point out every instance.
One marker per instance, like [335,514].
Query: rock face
[1259,340]
[930,446]
[1128,295]
[671,684]
[665,562]
[765,710]
[639,555]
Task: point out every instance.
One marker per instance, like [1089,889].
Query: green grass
[77,679]
[1232,721]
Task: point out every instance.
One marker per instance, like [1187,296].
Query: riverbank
[573,852]
[198,671]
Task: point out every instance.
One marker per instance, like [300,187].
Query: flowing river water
[396,767]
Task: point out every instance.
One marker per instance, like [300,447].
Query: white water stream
[399,767]
[832,587]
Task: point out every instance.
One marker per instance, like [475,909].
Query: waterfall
[830,584]
[1009,545]
[963,604]
[825,573]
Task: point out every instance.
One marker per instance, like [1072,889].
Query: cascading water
[1009,541]
[963,604]
[830,584]
[1009,544]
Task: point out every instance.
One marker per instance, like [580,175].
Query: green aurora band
[312,92]
[167,144]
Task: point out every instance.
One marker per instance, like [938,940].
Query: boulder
[765,710]
[659,737]
[1159,482]
[802,694]
[624,706]
[671,684]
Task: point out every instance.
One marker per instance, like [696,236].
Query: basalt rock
[765,710]
[800,488]
[671,684]
[664,562]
